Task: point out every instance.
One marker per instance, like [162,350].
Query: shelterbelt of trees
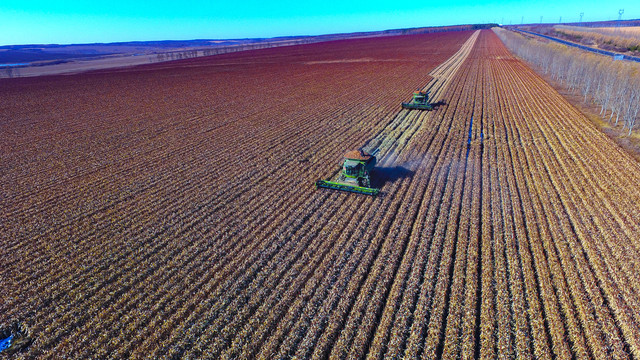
[614,85]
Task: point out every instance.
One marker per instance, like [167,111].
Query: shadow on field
[382,175]
[438,104]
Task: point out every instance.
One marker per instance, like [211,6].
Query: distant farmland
[168,210]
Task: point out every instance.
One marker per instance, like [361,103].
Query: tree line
[614,85]
[187,54]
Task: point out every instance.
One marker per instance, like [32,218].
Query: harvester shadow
[438,104]
[383,175]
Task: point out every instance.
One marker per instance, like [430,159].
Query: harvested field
[168,211]
[627,31]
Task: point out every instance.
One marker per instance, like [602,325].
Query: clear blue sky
[71,21]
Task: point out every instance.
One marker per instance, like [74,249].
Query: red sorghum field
[168,210]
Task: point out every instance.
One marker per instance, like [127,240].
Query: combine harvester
[420,101]
[354,177]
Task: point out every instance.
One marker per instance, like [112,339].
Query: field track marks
[397,135]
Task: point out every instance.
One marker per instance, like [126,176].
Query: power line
[620,12]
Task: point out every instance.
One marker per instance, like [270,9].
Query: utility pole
[540,19]
[560,21]
[581,15]
[522,20]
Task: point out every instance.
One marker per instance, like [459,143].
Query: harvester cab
[354,177]
[420,101]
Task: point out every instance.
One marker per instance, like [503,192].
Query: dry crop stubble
[190,187]
[178,220]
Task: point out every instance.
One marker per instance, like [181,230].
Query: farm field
[168,211]
[618,39]
[630,31]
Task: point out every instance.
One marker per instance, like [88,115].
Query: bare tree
[631,105]
[607,92]
[621,93]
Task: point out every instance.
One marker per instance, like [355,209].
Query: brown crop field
[168,211]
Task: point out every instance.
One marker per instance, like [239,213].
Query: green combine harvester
[420,101]
[354,177]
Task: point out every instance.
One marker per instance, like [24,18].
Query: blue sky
[65,22]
